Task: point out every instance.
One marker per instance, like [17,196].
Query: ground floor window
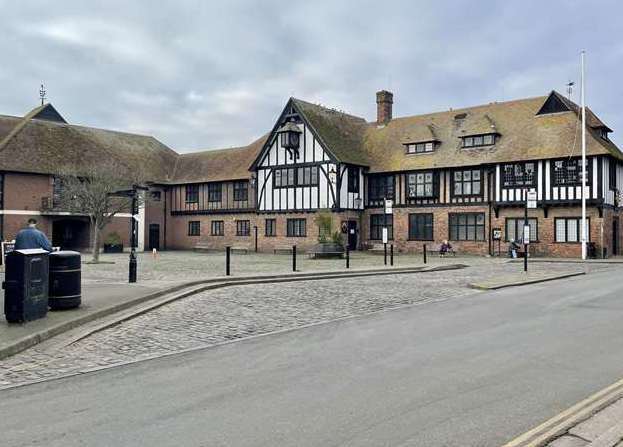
[271,227]
[421,227]
[194,228]
[569,229]
[377,222]
[514,229]
[243,228]
[467,226]
[218,228]
[297,228]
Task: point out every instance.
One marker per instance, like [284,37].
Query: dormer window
[420,148]
[479,140]
[603,133]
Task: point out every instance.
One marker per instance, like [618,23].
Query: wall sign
[497,234]
[531,199]
[389,206]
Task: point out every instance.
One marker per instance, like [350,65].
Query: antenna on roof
[570,85]
[42,93]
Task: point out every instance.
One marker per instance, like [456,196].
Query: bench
[282,250]
[204,248]
[437,251]
[378,249]
[240,249]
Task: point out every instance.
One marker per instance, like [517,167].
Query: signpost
[497,237]
[389,205]
[531,199]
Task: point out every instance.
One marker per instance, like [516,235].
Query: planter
[113,248]
[327,250]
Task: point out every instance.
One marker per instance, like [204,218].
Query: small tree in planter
[113,243]
[329,243]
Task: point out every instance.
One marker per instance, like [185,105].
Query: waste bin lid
[65,253]
[31,251]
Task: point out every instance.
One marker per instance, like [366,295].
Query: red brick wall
[154,214]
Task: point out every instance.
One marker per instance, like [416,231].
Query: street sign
[531,199]
[389,206]
[497,234]
[526,234]
[385,238]
[7,247]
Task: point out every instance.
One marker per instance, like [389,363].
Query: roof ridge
[19,126]
[328,109]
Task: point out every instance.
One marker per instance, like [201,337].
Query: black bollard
[227,260]
[391,254]
[347,257]
[385,254]
[294,258]
[132,266]
[424,252]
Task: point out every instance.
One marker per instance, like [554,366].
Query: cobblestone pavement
[236,312]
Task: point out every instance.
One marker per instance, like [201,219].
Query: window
[612,175]
[421,227]
[420,184]
[467,227]
[514,229]
[353,179]
[603,133]
[218,228]
[156,196]
[241,191]
[467,183]
[192,193]
[194,228]
[569,172]
[297,228]
[215,192]
[271,227]
[377,222]
[479,140]
[569,229]
[57,191]
[380,187]
[519,174]
[303,176]
[243,228]
[420,148]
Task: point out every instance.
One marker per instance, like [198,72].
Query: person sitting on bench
[444,248]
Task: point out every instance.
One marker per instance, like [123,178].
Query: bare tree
[90,192]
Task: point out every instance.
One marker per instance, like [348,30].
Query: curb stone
[496,286]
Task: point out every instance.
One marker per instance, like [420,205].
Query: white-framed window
[420,184]
[569,229]
[514,229]
[420,148]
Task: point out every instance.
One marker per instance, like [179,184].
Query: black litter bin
[26,285]
[65,287]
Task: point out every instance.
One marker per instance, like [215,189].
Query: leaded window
[243,228]
[568,172]
[217,228]
[420,148]
[519,174]
[479,140]
[215,192]
[353,179]
[270,227]
[421,227]
[192,193]
[569,229]
[378,222]
[380,187]
[194,228]
[514,229]
[302,176]
[420,184]
[467,182]
[467,226]
[241,191]
[296,228]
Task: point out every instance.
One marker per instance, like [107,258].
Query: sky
[205,74]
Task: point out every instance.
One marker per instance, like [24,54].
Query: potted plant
[113,243]
[330,244]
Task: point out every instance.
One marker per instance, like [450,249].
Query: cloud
[200,75]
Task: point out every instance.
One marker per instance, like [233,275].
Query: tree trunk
[96,242]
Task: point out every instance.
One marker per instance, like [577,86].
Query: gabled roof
[47,147]
[49,113]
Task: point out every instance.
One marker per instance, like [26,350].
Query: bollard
[294,258]
[132,266]
[227,260]
[424,252]
[347,257]
[385,254]
[391,254]
[255,228]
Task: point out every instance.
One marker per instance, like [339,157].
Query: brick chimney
[384,101]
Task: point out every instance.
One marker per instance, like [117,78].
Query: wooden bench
[240,249]
[282,250]
[437,251]
[204,248]
[378,249]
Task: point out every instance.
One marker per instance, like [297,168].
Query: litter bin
[26,285]
[65,287]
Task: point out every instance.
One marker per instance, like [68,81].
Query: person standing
[30,237]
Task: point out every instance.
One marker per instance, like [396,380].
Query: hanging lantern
[290,138]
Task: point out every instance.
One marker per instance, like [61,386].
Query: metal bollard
[385,254]
[227,260]
[347,257]
[424,251]
[132,267]
[294,258]
[391,255]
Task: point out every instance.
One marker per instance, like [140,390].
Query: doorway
[352,235]
[615,236]
[154,236]
[71,234]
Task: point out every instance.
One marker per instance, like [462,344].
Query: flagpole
[583,224]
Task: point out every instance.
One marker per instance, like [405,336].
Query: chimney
[384,101]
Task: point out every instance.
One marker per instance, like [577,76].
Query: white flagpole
[583,224]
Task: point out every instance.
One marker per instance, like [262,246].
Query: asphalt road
[476,371]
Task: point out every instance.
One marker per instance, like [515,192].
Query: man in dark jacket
[30,237]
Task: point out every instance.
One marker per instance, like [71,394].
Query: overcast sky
[211,74]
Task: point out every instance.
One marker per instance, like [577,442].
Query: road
[475,371]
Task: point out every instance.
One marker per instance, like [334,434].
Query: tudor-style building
[455,175]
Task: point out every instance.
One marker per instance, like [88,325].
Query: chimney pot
[384,102]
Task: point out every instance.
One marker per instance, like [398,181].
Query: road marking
[562,422]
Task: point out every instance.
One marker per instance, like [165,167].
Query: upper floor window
[603,133]
[353,179]
[420,184]
[612,175]
[479,140]
[215,191]
[568,172]
[380,187]
[303,176]
[467,182]
[156,196]
[519,174]
[241,191]
[192,193]
[420,148]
